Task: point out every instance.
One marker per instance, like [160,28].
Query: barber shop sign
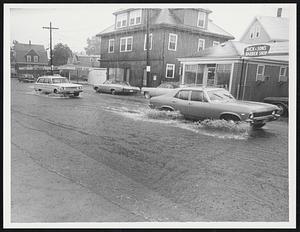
[257,50]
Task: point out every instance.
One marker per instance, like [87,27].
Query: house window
[172,42]
[222,76]
[260,73]
[170,70]
[150,42]
[216,43]
[257,31]
[111,46]
[135,17]
[36,59]
[201,44]
[201,19]
[282,74]
[251,35]
[122,20]
[126,44]
[28,58]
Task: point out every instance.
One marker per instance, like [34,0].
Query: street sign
[148,69]
[257,50]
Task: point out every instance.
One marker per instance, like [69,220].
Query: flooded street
[133,163]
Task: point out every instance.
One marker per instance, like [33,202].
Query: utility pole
[50,28]
[147,49]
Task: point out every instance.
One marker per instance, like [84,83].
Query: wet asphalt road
[104,158]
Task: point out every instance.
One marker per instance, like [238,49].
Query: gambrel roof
[167,18]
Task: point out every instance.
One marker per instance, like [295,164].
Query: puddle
[215,128]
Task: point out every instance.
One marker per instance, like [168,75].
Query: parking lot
[109,158]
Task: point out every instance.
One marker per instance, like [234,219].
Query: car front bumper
[263,119]
[70,91]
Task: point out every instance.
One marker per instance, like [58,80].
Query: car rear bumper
[130,90]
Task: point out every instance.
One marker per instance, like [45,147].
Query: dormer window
[201,19]
[135,17]
[257,31]
[35,59]
[28,58]
[121,20]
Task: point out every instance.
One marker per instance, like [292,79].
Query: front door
[211,71]
[127,75]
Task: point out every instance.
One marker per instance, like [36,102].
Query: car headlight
[62,88]
[274,112]
[251,115]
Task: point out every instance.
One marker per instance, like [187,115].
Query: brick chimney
[279,11]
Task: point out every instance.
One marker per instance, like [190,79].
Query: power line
[50,28]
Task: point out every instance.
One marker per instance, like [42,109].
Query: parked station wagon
[215,103]
[57,85]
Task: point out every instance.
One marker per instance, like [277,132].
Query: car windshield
[219,95]
[59,80]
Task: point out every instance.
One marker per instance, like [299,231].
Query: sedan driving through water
[199,103]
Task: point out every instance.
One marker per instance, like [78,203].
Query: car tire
[76,94]
[55,91]
[96,89]
[166,109]
[113,92]
[283,110]
[147,95]
[228,117]
[257,125]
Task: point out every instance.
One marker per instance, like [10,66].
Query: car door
[180,101]
[39,84]
[199,107]
[46,85]
[103,87]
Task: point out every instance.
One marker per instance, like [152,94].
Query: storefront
[248,76]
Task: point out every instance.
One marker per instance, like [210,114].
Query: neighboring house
[29,58]
[85,60]
[78,66]
[247,76]
[173,33]
[264,29]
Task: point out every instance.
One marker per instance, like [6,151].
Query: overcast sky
[78,22]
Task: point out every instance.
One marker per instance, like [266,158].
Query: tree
[60,54]
[93,47]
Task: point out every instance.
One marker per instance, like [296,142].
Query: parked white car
[162,89]
[57,85]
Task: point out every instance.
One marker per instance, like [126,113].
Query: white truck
[97,76]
